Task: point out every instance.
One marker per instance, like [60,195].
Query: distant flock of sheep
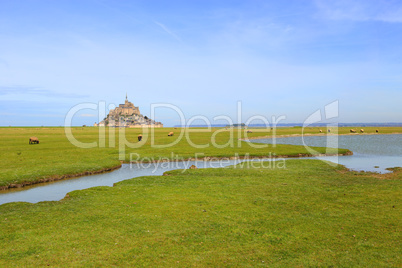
[35,140]
[140,136]
[351,131]
[361,131]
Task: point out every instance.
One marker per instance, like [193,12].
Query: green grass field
[55,155]
[308,214]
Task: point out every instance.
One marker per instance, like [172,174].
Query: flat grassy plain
[56,156]
[307,214]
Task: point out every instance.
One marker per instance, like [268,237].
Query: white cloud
[361,10]
[32,90]
[166,29]
[32,115]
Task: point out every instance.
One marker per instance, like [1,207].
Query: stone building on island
[127,115]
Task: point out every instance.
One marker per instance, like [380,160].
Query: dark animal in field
[361,130]
[329,130]
[139,137]
[376,131]
[352,131]
[170,133]
[33,140]
[320,131]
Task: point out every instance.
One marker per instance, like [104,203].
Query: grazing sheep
[361,130]
[170,133]
[352,131]
[139,137]
[320,131]
[249,131]
[33,140]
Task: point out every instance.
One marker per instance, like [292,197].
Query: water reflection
[372,153]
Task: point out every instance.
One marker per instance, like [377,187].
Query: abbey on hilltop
[127,115]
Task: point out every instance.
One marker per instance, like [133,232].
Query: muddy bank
[58,178]
[206,158]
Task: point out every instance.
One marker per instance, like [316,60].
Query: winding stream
[57,190]
[370,153]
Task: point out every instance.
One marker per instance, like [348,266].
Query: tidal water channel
[370,153]
[57,190]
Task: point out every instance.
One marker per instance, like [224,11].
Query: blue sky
[278,58]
